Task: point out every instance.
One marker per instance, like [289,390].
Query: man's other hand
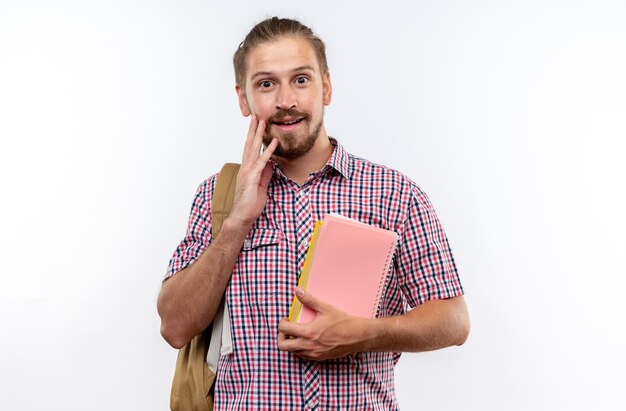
[332,334]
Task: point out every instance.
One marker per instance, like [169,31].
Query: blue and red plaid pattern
[257,376]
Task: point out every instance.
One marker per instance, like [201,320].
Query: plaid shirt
[257,376]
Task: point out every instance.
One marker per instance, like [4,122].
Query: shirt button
[246,243]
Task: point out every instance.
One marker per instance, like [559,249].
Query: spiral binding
[383,279]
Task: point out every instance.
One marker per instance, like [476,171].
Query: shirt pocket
[262,279]
[256,275]
[262,237]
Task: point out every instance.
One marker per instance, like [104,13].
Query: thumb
[309,300]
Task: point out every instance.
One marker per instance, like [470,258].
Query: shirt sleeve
[426,268]
[198,235]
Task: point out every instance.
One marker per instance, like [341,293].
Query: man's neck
[300,168]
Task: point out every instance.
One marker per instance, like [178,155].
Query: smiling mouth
[288,122]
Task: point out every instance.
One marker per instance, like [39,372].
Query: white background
[510,115]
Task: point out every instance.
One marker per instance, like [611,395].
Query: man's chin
[288,154]
[292,151]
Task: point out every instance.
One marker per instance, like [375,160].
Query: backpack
[196,365]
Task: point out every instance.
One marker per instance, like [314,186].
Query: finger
[265,157]
[296,346]
[289,328]
[258,137]
[309,300]
[281,341]
[247,148]
[269,150]
[299,347]
[285,343]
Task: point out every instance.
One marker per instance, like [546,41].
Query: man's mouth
[288,122]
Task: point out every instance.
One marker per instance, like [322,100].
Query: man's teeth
[287,123]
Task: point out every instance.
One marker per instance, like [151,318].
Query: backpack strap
[221,204]
[223,196]
[194,375]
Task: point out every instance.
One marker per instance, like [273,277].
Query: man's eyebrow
[261,74]
[303,68]
[269,73]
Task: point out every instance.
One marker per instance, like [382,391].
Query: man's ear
[328,88]
[243,101]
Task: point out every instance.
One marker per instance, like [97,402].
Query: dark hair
[272,29]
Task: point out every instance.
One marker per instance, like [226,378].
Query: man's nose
[286,98]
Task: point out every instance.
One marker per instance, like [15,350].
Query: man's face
[285,87]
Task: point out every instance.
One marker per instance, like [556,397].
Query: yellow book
[296,305]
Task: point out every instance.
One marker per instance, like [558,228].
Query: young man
[283,83]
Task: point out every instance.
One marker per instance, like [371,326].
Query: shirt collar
[340,160]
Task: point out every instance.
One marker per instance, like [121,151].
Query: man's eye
[301,80]
[265,84]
